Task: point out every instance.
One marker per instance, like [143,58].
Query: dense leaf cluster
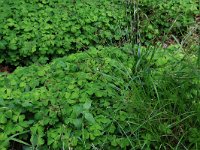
[104,99]
[75,101]
[100,97]
[39,30]
[160,18]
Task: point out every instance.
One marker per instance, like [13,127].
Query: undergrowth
[142,92]
[103,99]
[35,31]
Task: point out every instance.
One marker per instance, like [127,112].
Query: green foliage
[158,18]
[39,30]
[132,97]
[73,102]
[103,98]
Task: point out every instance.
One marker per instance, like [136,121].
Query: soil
[7,68]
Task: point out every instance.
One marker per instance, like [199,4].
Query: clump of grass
[165,94]
[165,89]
